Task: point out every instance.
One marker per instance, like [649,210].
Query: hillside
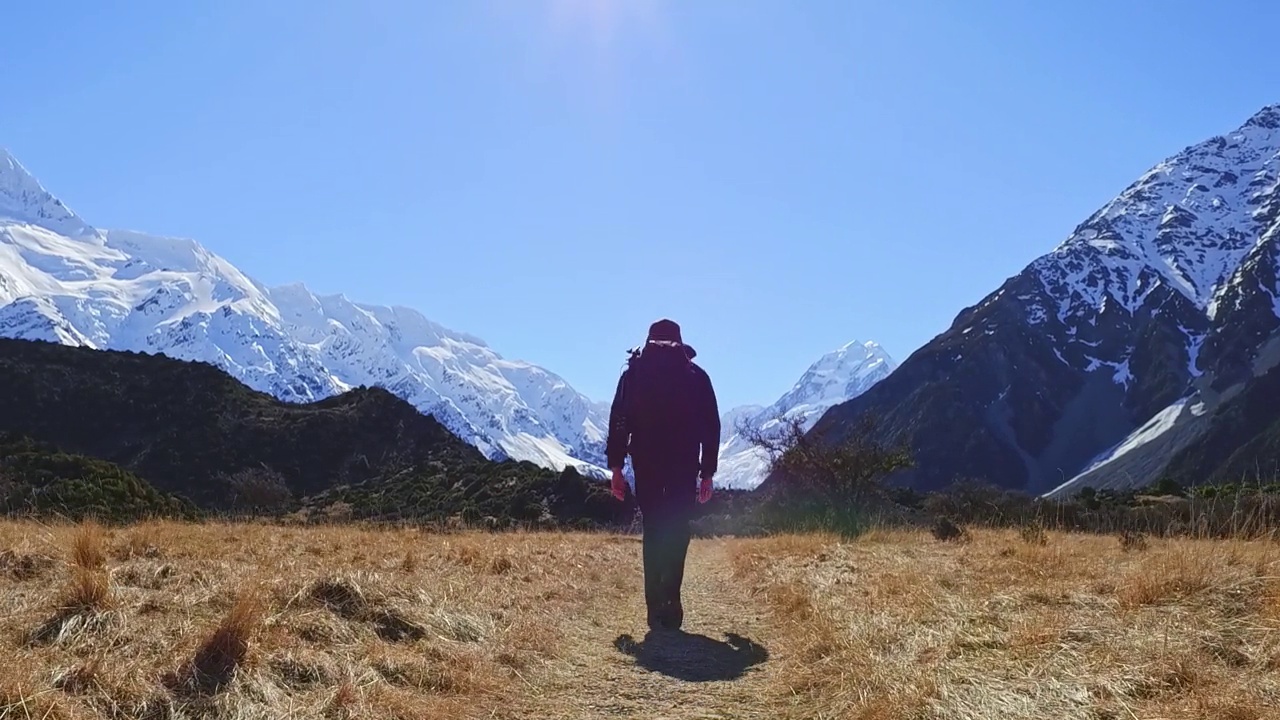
[1241,442]
[1079,368]
[38,479]
[189,428]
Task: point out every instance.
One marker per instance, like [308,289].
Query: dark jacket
[664,414]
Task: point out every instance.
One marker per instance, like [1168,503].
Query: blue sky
[781,177]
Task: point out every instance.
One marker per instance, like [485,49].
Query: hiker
[665,417]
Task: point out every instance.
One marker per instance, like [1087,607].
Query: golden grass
[1023,625]
[88,547]
[173,620]
[226,649]
[239,621]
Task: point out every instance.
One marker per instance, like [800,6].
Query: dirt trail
[718,667]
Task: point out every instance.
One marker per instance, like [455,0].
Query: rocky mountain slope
[64,281]
[836,377]
[1107,356]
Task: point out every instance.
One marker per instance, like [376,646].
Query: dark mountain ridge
[187,427]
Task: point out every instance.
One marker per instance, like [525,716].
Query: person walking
[664,415]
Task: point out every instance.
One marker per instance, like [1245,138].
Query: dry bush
[1133,541]
[944,530]
[81,606]
[344,703]
[1167,577]
[410,562]
[80,679]
[501,564]
[1034,534]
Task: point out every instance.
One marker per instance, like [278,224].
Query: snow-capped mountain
[62,280]
[836,377]
[1156,304]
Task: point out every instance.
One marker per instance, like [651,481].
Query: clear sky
[779,176]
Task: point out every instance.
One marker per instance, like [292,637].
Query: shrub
[45,481]
[257,490]
[823,484]
[1131,541]
[1034,534]
[944,530]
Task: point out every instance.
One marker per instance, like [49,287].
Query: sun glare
[601,20]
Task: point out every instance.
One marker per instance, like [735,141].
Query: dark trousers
[666,507]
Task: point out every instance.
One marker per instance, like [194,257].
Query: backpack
[662,394]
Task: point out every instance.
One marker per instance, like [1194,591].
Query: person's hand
[619,484]
[705,489]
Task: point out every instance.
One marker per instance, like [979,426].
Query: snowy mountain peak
[1185,225]
[840,375]
[836,377]
[1167,291]
[855,353]
[1267,118]
[24,199]
[62,281]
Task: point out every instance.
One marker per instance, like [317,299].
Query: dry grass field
[167,620]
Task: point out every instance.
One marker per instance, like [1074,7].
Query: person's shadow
[693,658]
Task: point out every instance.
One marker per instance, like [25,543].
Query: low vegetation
[188,620]
[241,620]
[1012,625]
[39,479]
[846,485]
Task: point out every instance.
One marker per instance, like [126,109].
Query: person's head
[666,334]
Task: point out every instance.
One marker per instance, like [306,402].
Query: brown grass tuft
[304,670]
[140,542]
[410,562]
[1133,541]
[344,703]
[1168,578]
[88,591]
[21,701]
[87,547]
[81,679]
[227,647]
[501,565]
[341,595]
[1034,534]
[24,566]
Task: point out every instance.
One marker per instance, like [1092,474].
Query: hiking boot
[673,615]
[657,619]
[665,617]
